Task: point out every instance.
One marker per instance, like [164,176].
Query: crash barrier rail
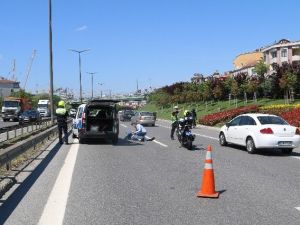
[14,131]
[10,153]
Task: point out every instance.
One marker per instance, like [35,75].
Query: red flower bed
[292,117]
[213,119]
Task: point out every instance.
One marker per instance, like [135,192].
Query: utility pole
[92,83]
[79,62]
[51,63]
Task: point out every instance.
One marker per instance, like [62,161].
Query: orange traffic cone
[208,181]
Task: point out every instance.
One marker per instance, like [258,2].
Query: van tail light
[297,131]
[83,120]
[266,131]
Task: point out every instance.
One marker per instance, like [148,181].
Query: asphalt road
[155,183]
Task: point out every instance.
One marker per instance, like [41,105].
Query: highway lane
[149,183]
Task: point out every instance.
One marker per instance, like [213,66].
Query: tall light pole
[79,59]
[51,63]
[101,89]
[92,83]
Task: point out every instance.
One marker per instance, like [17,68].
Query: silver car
[144,118]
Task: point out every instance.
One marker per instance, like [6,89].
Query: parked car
[72,113]
[97,119]
[144,118]
[256,131]
[29,116]
[126,115]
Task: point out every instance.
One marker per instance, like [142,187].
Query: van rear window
[146,114]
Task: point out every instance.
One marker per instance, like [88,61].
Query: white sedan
[257,131]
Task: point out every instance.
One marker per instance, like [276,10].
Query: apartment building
[8,86]
[245,63]
[282,51]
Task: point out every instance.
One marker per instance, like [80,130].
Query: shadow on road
[265,152]
[9,205]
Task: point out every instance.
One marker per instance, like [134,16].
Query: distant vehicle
[257,131]
[29,116]
[72,113]
[97,119]
[12,108]
[126,115]
[144,118]
[44,108]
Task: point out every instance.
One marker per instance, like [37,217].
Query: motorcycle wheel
[189,145]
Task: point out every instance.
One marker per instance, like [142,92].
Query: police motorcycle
[184,134]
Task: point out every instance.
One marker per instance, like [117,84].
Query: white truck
[44,108]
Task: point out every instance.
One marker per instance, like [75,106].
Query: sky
[151,43]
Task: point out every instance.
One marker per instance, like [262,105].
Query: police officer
[62,115]
[194,115]
[174,119]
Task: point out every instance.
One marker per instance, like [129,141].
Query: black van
[97,119]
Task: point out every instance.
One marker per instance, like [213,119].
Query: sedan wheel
[250,146]
[222,140]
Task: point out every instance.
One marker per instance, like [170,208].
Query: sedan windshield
[271,120]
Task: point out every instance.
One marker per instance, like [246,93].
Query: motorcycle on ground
[184,134]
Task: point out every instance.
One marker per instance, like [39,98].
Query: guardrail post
[8,164]
[7,135]
[15,132]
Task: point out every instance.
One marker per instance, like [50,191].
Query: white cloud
[82,28]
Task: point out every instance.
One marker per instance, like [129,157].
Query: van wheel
[81,141]
[286,150]
[115,140]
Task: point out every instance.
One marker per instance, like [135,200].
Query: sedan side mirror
[227,125]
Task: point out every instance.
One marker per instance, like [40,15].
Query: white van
[98,119]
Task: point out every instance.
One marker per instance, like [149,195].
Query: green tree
[261,69]
[234,90]
[287,83]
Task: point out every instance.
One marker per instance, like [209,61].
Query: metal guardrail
[14,131]
[8,154]
[11,152]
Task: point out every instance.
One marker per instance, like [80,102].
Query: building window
[274,54]
[284,52]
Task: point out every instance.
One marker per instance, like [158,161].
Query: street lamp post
[79,61]
[100,89]
[92,83]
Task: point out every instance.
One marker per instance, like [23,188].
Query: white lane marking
[157,142]
[164,126]
[296,157]
[54,210]
[201,135]
[298,208]
[123,125]
[205,136]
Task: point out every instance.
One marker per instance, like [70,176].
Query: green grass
[203,108]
